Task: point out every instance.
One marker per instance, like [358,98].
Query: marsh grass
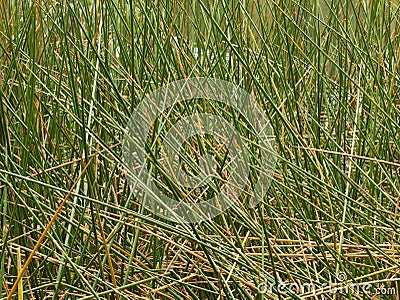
[72,73]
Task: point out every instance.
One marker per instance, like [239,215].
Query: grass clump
[326,74]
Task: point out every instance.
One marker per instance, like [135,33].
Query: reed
[71,73]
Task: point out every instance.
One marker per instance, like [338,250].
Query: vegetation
[72,72]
